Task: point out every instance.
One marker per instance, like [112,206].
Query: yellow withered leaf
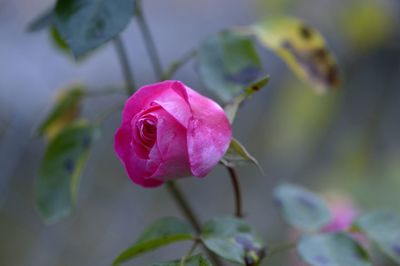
[64,112]
[303,48]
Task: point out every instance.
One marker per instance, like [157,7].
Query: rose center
[146,130]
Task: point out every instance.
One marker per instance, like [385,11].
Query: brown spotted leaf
[303,48]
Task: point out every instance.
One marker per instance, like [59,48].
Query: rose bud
[169,131]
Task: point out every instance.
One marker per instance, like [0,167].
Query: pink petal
[175,102]
[209,134]
[171,95]
[136,168]
[172,147]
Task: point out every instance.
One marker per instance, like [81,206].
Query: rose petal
[175,102]
[209,134]
[171,95]
[135,167]
[172,147]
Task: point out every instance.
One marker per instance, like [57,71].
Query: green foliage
[197,260]
[228,63]
[59,174]
[232,108]
[64,112]
[337,249]
[301,208]
[303,48]
[87,24]
[383,228]
[234,240]
[237,153]
[161,233]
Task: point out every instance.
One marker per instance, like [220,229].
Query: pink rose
[170,131]
[343,214]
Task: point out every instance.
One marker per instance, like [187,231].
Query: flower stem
[183,204]
[175,65]
[189,214]
[236,189]
[105,92]
[189,253]
[281,248]
[150,44]
[125,66]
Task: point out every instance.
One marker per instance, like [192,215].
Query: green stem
[236,189]
[150,44]
[104,92]
[107,113]
[187,211]
[125,66]
[189,253]
[281,248]
[183,203]
[176,65]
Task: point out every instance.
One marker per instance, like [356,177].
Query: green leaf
[42,21]
[197,260]
[383,228]
[237,153]
[87,24]
[302,48]
[228,63]
[301,208]
[59,173]
[64,112]
[232,107]
[234,240]
[161,233]
[337,249]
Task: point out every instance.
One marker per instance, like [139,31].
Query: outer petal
[172,149]
[209,133]
[171,95]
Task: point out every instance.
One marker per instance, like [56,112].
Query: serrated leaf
[301,208]
[228,63]
[161,233]
[197,260]
[64,112]
[44,20]
[87,24]
[337,249]
[383,228]
[232,107]
[234,240]
[60,170]
[303,48]
[237,153]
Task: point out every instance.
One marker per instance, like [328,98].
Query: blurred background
[345,142]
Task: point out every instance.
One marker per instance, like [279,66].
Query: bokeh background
[345,142]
